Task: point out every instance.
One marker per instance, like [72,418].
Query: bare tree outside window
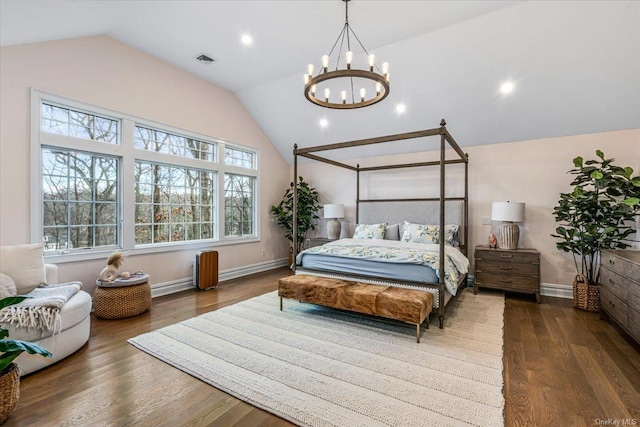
[238,205]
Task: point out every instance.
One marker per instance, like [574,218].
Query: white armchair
[75,314]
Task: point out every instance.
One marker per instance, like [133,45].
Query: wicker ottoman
[118,302]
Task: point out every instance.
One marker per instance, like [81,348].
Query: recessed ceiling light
[324,123]
[507,88]
[401,108]
[246,40]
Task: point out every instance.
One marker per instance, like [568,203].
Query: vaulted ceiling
[575,65]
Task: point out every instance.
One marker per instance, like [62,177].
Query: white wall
[533,172]
[104,72]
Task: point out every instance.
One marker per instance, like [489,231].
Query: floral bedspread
[393,251]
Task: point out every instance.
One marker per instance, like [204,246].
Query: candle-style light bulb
[313,90]
[306,79]
[349,56]
[387,77]
[378,88]
[325,62]
[372,61]
[385,67]
[326,94]
[310,69]
[363,92]
[344,96]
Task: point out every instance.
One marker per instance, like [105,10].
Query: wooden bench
[407,305]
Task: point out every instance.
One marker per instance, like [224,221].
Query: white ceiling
[575,64]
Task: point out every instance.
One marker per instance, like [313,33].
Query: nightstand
[516,270]
[317,241]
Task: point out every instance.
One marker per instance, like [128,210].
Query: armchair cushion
[24,264]
[7,286]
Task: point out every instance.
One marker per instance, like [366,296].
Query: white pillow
[24,264]
[7,286]
[370,231]
[421,233]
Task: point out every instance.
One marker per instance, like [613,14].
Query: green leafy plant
[597,214]
[308,206]
[10,349]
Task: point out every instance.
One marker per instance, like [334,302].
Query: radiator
[205,271]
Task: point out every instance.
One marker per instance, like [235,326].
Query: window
[173,204]
[238,205]
[79,199]
[106,181]
[241,158]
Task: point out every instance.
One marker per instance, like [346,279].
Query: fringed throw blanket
[42,309]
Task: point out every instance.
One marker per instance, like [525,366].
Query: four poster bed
[422,244]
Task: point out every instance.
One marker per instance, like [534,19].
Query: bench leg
[441,318]
[418,333]
[280,303]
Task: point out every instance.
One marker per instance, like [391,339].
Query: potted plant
[9,375]
[596,215]
[308,205]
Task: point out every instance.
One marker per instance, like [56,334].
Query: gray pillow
[392,232]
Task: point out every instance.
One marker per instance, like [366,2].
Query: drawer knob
[613,282]
[506,280]
[506,256]
[506,267]
[611,261]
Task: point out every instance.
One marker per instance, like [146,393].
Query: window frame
[124,149]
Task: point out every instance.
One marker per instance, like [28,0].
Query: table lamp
[508,231]
[333,212]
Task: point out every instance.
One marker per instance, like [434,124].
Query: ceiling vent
[204,59]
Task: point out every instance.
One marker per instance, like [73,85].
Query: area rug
[316,366]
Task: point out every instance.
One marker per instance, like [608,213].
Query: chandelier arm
[363,48]
[345,31]
[340,36]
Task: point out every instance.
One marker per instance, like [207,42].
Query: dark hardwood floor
[563,367]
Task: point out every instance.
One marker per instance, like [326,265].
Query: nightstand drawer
[507,256]
[614,283]
[633,295]
[613,305]
[507,281]
[510,267]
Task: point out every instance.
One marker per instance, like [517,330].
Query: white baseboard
[173,286]
[557,291]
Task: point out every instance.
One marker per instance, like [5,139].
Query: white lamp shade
[507,211]
[334,211]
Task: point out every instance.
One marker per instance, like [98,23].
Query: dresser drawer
[633,295]
[621,265]
[634,323]
[507,281]
[511,267]
[613,305]
[511,256]
[614,283]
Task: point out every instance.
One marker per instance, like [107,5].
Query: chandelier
[373,83]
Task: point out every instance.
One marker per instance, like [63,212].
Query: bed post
[466,205]
[357,193]
[294,230]
[442,216]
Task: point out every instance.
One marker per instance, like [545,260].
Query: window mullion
[127,175]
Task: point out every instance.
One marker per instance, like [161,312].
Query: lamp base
[333,229]
[508,235]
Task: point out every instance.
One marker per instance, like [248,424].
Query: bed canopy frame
[446,141]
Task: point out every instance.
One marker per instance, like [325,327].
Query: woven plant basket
[585,296]
[9,392]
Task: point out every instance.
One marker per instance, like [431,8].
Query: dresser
[620,289]
[516,270]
